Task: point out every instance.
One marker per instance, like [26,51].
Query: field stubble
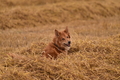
[95,34]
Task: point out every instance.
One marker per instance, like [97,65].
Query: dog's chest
[67,48]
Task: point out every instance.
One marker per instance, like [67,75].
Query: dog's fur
[60,44]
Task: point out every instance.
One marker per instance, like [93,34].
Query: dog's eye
[68,37]
[63,39]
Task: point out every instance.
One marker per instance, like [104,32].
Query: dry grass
[18,15]
[95,32]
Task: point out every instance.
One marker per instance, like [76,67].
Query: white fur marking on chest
[67,48]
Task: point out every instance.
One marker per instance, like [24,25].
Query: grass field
[26,27]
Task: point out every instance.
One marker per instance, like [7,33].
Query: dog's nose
[69,42]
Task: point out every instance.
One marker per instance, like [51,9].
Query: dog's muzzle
[68,44]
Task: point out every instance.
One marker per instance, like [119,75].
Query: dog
[61,44]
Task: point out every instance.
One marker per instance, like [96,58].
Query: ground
[26,27]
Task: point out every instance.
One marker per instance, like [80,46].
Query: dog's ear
[66,30]
[57,33]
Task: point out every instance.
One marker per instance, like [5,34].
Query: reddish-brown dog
[60,44]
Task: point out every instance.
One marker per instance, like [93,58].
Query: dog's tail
[17,56]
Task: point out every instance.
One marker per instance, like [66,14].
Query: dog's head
[62,39]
